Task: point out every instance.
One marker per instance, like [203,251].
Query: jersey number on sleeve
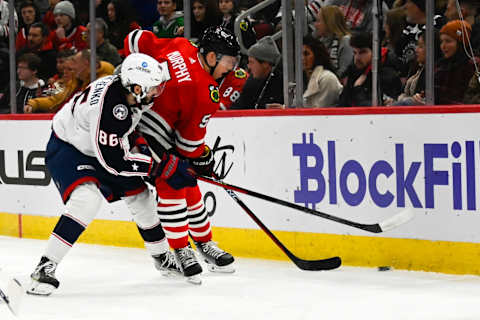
[205,120]
[108,139]
[233,95]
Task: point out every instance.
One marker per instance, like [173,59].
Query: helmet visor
[156,91]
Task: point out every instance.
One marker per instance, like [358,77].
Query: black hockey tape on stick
[311,265]
[388,224]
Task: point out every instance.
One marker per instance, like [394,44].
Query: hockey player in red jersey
[177,125]
[89,158]
[231,87]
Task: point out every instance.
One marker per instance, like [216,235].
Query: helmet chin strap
[212,69]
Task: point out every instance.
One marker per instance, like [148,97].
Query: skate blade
[171,274]
[40,288]
[196,280]
[220,269]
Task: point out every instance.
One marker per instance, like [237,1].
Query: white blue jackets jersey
[98,121]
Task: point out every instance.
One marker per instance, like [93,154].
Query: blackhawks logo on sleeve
[214,94]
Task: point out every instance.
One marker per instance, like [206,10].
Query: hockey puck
[384,268]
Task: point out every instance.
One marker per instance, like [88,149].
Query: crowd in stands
[53,49]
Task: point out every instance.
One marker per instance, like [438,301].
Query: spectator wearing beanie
[469,9]
[416,19]
[68,35]
[264,86]
[454,71]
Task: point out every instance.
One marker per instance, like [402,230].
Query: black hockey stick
[312,265]
[388,224]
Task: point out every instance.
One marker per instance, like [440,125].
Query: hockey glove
[204,164]
[176,172]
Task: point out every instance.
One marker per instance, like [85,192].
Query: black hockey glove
[204,164]
[176,172]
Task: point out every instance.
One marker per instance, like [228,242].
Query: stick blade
[318,265]
[397,220]
[15,296]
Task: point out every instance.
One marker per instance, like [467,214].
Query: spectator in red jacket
[29,14]
[48,18]
[39,43]
[68,34]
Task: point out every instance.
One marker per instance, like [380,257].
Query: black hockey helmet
[219,40]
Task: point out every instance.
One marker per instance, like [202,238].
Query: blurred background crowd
[53,49]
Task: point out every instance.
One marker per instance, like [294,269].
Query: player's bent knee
[84,202]
[143,209]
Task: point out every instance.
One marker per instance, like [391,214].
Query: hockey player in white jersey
[89,158]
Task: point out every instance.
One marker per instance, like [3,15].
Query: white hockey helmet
[142,74]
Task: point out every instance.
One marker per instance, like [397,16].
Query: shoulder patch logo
[120,112]
[193,43]
[240,73]
[243,25]
[214,94]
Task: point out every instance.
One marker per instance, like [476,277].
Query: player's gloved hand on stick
[176,172]
[204,164]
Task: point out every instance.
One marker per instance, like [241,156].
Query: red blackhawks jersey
[231,87]
[179,116]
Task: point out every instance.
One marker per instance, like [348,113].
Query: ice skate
[189,264]
[216,259]
[43,278]
[167,265]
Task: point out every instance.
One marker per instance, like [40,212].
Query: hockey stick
[388,224]
[14,299]
[312,265]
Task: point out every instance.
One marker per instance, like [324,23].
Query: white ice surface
[99,282]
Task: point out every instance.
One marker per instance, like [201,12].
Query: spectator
[264,86]
[49,18]
[39,43]
[472,94]
[204,14]
[68,35]
[229,11]
[81,79]
[334,33]
[358,13]
[4,23]
[469,13]
[323,87]
[64,73]
[414,89]
[29,15]
[121,20]
[358,88]
[170,23]
[407,43]
[395,23]
[105,50]
[42,6]
[454,71]
[28,85]
[83,9]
